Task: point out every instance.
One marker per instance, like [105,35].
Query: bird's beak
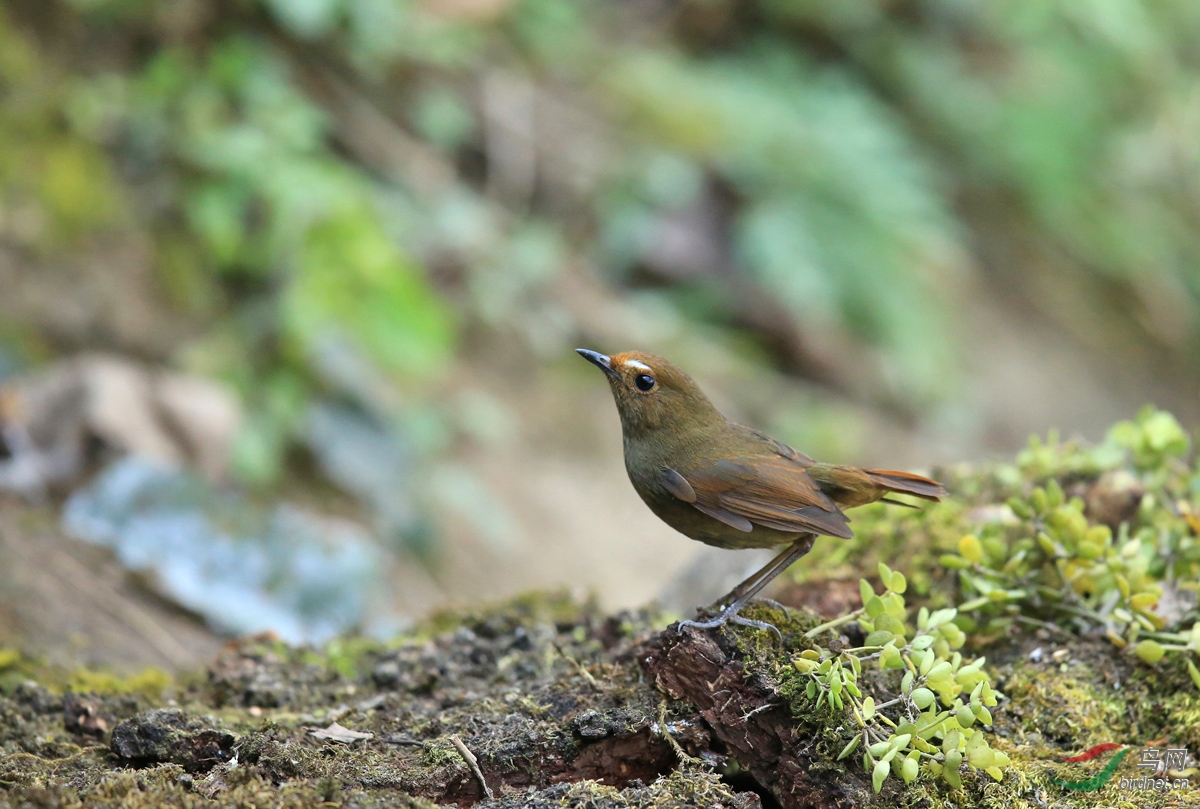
[601,361]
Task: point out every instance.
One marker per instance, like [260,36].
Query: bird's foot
[773,604]
[729,615]
[763,625]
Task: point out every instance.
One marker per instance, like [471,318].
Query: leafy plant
[929,708]
[913,700]
[1049,565]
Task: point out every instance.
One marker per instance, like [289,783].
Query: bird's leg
[755,583]
[747,590]
[765,574]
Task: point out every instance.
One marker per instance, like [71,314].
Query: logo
[1168,767]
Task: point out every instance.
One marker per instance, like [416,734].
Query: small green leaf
[923,698]
[1020,508]
[893,603]
[1048,545]
[940,671]
[950,769]
[953,635]
[943,615]
[965,716]
[1150,651]
[874,606]
[878,638]
[1100,535]
[981,757]
[970,549]
[890,658]
[1144,601]
[880,773]
[932,725]
[1194,673]
[850,747]
[1037,499]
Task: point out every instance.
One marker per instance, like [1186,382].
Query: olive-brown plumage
[725,484]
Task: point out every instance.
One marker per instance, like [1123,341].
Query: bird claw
[730,616]
[737,619]
[713,623]
[773,604]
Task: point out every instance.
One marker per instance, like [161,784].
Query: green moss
[1065,709]
[150,682]
[439,754]
[346,655]
[168,785]
[16,669]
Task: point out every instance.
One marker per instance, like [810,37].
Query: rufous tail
[907,483]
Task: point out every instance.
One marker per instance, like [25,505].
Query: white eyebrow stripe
[641,366]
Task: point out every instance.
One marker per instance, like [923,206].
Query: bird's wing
[772,491]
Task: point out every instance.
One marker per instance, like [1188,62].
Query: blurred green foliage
[265,197]
[351,184]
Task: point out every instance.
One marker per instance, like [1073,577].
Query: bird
[732,486]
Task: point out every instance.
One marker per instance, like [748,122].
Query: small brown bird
[728,485]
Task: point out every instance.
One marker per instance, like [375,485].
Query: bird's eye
[644,382]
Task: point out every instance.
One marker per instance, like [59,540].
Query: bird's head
[652,393]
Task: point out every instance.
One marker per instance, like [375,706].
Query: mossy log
[561,707]
[545,702]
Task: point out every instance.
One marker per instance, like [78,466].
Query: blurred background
[289,288]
